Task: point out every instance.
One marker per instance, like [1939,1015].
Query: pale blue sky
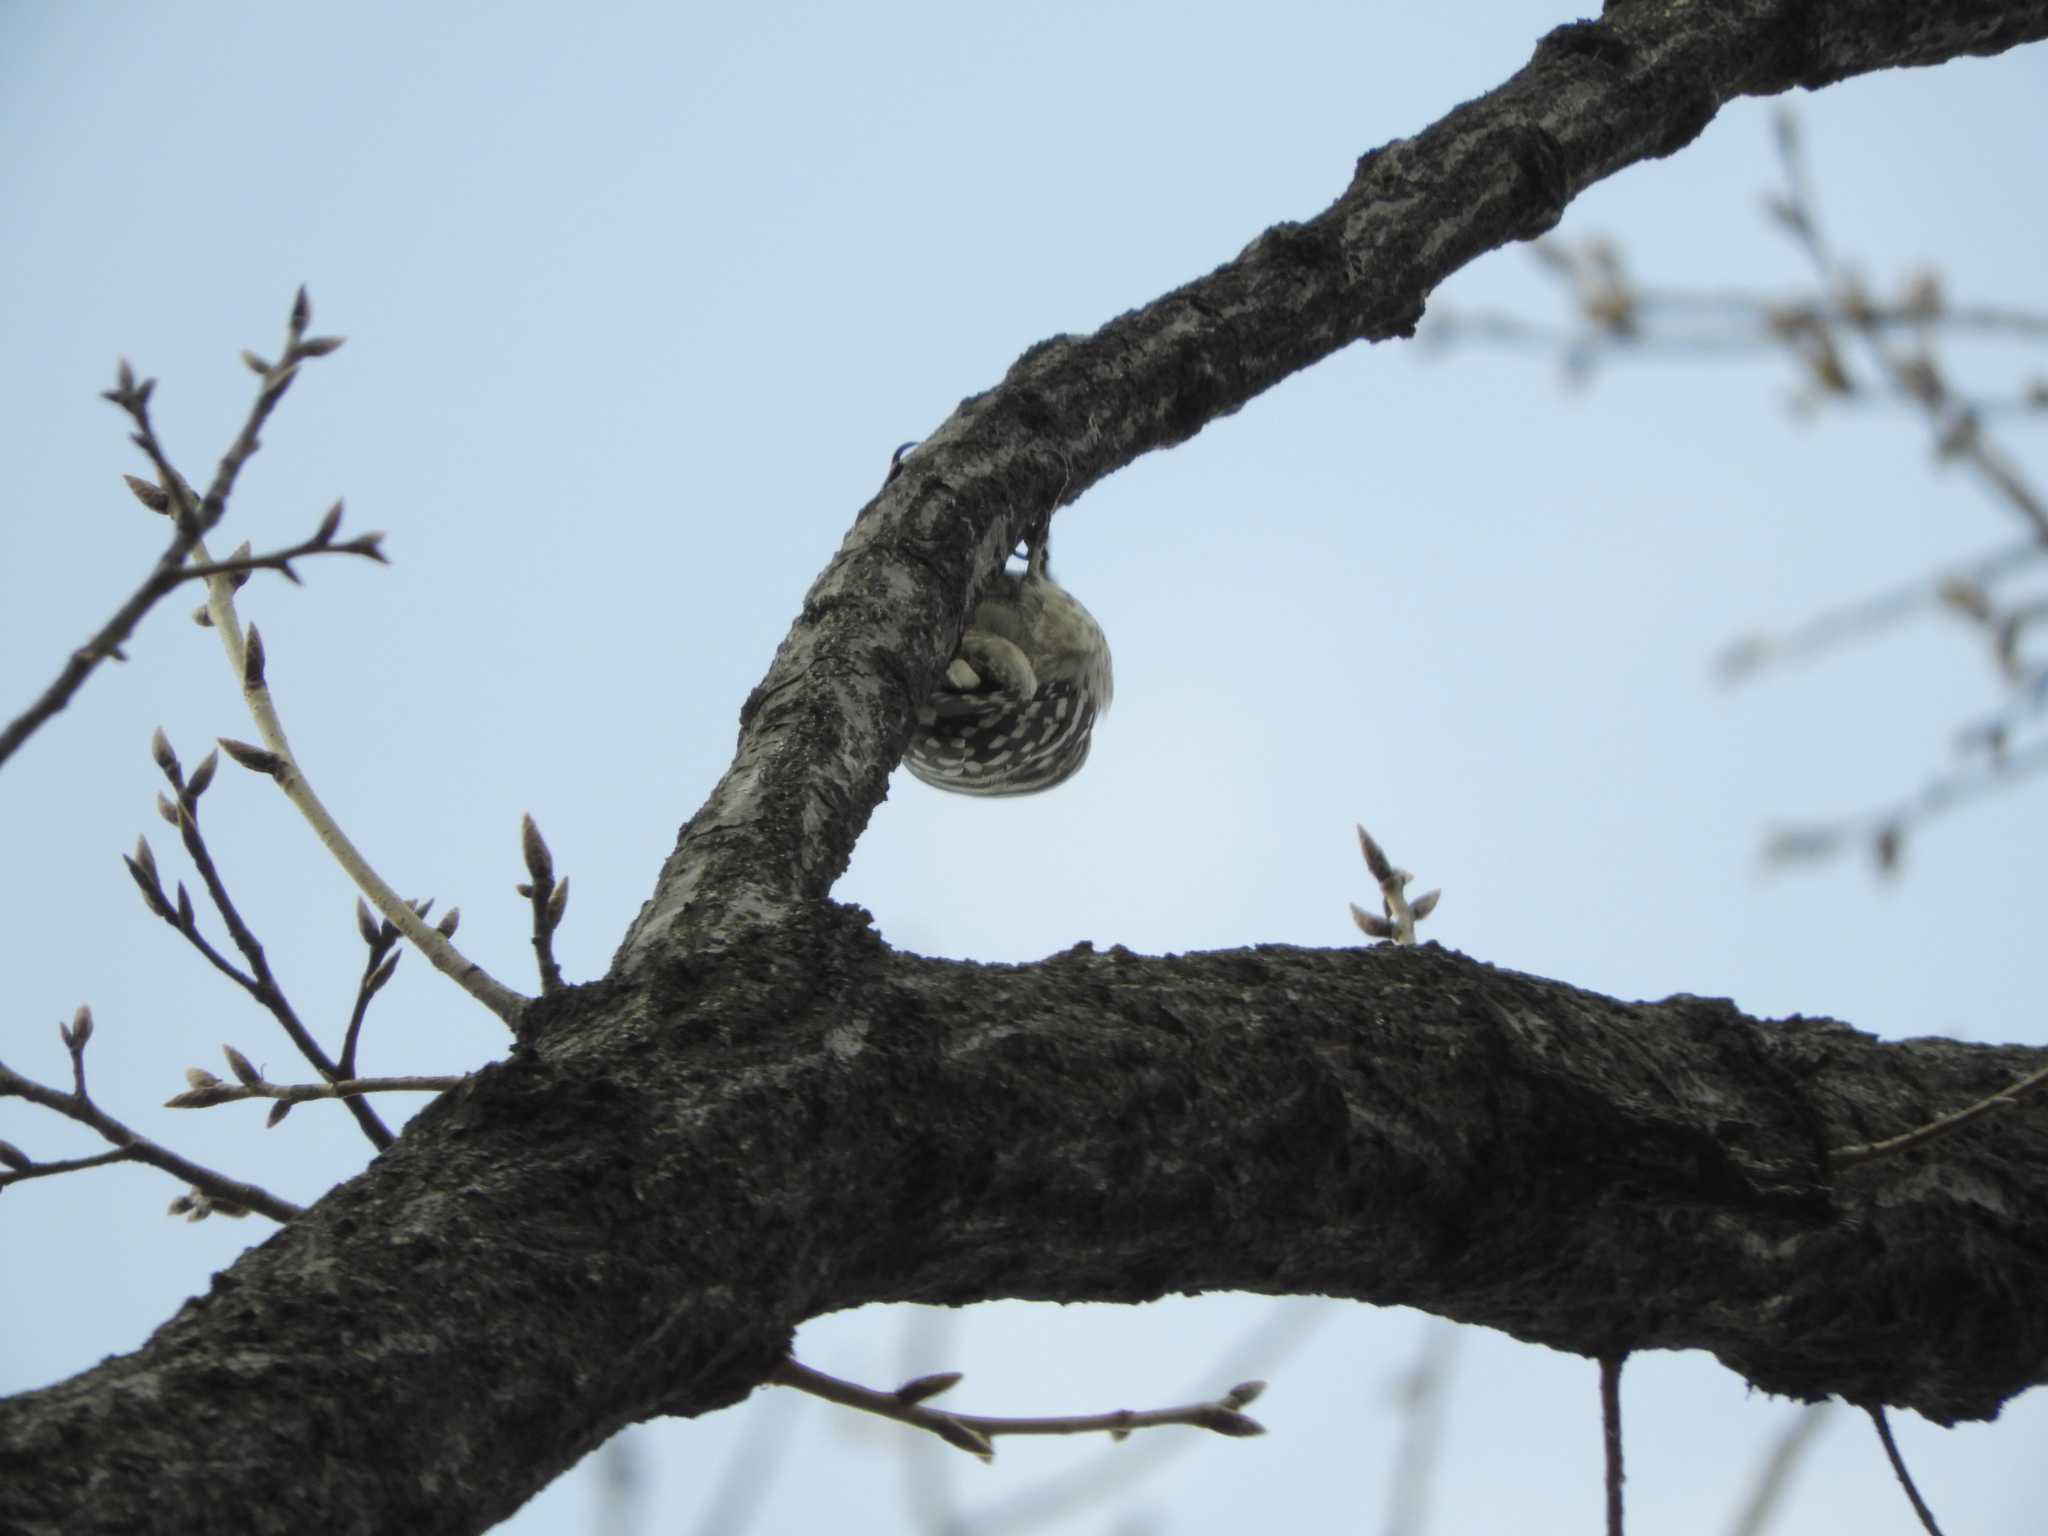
[639,298]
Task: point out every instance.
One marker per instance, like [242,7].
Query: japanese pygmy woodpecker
[1017,705]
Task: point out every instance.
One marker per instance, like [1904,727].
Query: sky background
[638,300]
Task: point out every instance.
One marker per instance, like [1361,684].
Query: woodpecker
[1017,706]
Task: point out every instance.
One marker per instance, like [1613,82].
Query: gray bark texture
[763,1114]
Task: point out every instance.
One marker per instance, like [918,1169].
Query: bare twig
[931,1478]
[1848,1157]
[275,760]
[549,898]
[1401,914]
[242,563]
[1866,616]
[748,1472]
[192,518]
[1745,323]
[1610,1436]
[208,1090]
[1422,1394]
[216,1192]
[975,1433]
[381,940]
[1821,332]
[17,1167]
[1090,1483]
[622,1486]
[76,1036]
[1615,313]
[1958,430]
[1891,1451]
[1615,317]
[258,981]
[1776,1472]
[1884,831]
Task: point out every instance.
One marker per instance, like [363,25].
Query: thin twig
[1865,616]
[191,521]
[747,1472]
[1885,830]
[931,1499]
[1776,1472]
[1610,1435]
[1727,325]
[621,1486]
[381,940]
[1891,1451]
[378,966]
[245,656]
[1614,312]
[1848,1157]
[368,545]
[26,1168]
[105,643]
[1958,431]
[549,898]
[208,1090]
[1980,319]
[259,981]
[276,761]
[229,1196]
[76,1036]
[975,1433]
[1423,1393]
[1089,1484]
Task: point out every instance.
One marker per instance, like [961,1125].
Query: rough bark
[630,1215]
[763,1114]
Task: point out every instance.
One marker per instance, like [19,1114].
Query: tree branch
[258,981]
[631,1214]
[1397,1125]
[228,1194]
[1610,1437]
[191,519]
[277,762]
[823,730]
[1891,1452]
[206,1094]
[975,1433]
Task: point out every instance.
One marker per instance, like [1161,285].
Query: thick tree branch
[763,1115]
[559,1247]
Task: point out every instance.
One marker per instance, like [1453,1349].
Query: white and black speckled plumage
[981,732]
